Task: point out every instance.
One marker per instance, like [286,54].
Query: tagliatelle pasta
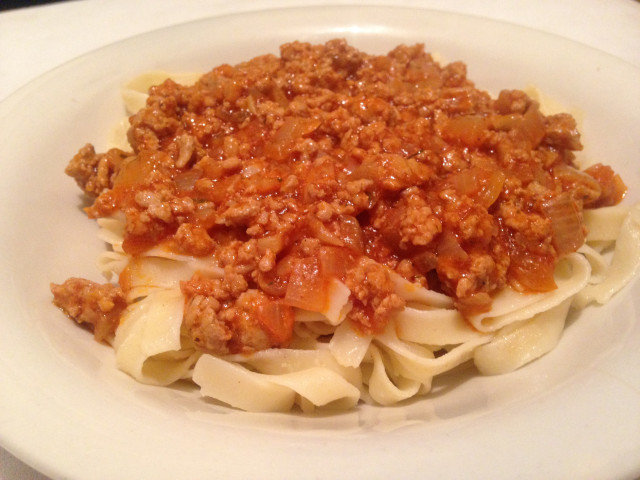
[286,236]
[509,306]
[148,342]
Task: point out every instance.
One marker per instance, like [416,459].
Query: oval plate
[66,409]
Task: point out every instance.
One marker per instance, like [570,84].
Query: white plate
[66,410]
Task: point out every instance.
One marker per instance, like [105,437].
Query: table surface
[34,40]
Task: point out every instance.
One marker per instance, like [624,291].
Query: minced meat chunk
[90,303]
[94,172]
[222,316]
[374,291]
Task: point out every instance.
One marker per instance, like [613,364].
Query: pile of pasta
[328,364]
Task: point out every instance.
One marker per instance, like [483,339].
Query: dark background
[10,4]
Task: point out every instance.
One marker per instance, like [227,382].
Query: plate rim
[23,90]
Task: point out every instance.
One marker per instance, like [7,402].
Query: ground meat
[92,304]
[193,240]
[94,172]
[512,101]
[222,316]
[207,331]
[529,224]
[561,132]
[374,291]
[612,188]
[268,261]
[410,222]
[327,163]
[241,213]
[162,205]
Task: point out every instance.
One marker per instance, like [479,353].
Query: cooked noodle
[327,362]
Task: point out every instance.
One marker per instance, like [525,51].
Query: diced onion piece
[491,188]
[482,184]
[469,130]
[186,180]
[287,135]
[529,272]
[334,261]
[449,248]
[583,187]
[307,288]
[136,170]
[568,228]
[351,233]
[392,172]
[504,122]
[276,319]
[532,126]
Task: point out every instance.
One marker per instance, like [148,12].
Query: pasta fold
[148,342]
[241,388]
[624,265]
[572,275]
[520,343]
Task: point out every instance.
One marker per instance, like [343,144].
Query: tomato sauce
[330,163]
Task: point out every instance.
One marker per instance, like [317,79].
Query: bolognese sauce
[328,163]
